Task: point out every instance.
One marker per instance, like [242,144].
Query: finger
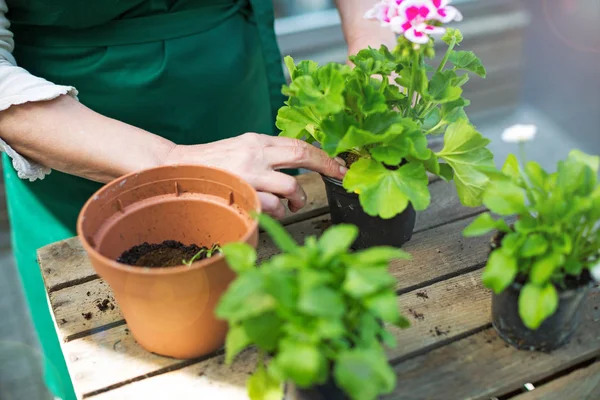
[271,205]
[284,186]
[303,155]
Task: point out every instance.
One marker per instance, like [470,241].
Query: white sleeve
[17,86]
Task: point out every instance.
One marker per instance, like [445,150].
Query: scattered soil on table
[88,294]
[416,315]
[105,305]
[169,253]
[87,315]
[439,332]
[422,295]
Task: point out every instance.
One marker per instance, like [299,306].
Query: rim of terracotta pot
[164,270]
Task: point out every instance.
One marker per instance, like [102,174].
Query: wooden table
[450,352]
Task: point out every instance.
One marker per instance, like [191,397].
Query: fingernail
[343,170]
[340,161]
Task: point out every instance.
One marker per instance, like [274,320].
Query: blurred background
[543,63]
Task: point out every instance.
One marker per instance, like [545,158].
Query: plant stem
[447,55]
[411,90]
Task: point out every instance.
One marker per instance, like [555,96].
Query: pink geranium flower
[412,18]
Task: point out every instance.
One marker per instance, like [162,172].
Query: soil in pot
[555,331]
[170,253]
[373,231]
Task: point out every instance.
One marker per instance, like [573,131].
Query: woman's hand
[257,158]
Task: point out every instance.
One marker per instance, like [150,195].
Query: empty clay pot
[169,310]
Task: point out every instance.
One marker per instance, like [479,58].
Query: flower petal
[416,36]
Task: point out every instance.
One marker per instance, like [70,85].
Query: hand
[257,158]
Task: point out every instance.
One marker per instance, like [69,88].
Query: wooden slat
[84,307]
[582,384]
[65,263]
[440,312]
[489,367]
[210,379]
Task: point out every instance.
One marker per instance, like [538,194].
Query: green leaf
[263,386]
[534,245]
[302,363]
[537,176]
[504,198]
[341,132]
[500,271]
[389,154]
[374,62]
[441,89]
[361,282]
[371,101]
[465,151]
[240,256]
[454,111]
[536,303]
[468,61]
[236,341]
[544,267]
[591,161]
[334,129]
[295,122]
[511,243]
[511,167]
[289,63]
[321,301]
[264,330]
[364,374]
[378,255]
[432,119]
[337,240]
[384,192]
[245,298]
[483,224]
[280,236]
[385,306]
[326,96]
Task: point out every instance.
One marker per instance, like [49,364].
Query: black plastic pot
[374,231]
[554,331]
[327,391]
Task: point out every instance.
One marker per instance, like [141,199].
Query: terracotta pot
[169,310]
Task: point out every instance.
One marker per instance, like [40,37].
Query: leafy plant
[214,249]
[556,236]
[317,309]
[382,111]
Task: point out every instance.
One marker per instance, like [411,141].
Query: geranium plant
[315,312]
[378,115]
[555,240]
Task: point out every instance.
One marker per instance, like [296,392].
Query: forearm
[359,32]
[64,135]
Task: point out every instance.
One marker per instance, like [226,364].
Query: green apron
[193,71]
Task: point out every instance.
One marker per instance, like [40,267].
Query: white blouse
[17,86]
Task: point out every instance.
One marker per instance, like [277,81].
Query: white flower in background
[519,133]
[414,18]
[595,271]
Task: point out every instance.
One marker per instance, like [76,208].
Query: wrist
[359,42]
